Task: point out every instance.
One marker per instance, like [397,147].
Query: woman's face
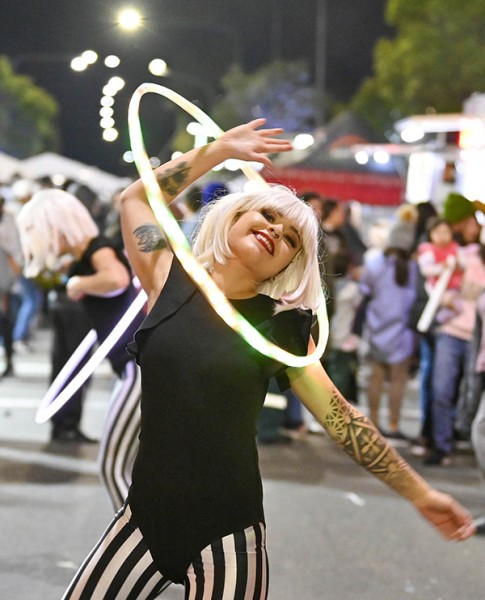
[264,241]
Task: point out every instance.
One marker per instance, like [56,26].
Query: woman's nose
[276,231]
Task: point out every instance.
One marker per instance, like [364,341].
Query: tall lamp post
[321,60]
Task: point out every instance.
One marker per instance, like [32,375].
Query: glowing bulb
[112,61]
[129,19]
[361,157]
[109,90]
[89,56]
[158,67]
[106,111]
[412,134]
[117,83]
[107,123]
[107,101]
[303,141]
[194,128]
[381,157]
[78,64]
[109,135]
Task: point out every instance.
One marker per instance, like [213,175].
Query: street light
[129,19]
[320,60]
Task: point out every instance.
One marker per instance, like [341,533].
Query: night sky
[197,38]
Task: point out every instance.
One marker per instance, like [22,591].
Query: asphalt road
[334,532]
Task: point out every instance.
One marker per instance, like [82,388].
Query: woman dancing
[194,512]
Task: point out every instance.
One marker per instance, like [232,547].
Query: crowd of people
[377,293]
[269,253]
[376,289]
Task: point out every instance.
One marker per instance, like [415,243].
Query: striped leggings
[119,442]
[120,567]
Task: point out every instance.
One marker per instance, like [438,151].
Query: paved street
[335,533]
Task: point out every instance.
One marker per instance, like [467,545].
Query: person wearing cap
[461,214]
[453,337]
[388,283]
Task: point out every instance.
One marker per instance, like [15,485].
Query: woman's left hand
[73,288]
[446,514]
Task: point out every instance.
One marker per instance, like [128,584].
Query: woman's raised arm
[142,237]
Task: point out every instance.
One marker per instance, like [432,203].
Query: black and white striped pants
[120,567]
[119,442]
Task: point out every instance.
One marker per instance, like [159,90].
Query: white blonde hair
[49,218]
[299,284]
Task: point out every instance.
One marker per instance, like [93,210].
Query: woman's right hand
[247,142]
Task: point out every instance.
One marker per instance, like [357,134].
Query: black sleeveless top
[196,476]
[105,312]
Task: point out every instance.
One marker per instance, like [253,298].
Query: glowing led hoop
[181,246]
[51,403]
[67,370]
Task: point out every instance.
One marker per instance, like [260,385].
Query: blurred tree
[27,115]
[433,64]
[279,91]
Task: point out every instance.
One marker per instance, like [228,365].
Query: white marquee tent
[49,164]
[8,166]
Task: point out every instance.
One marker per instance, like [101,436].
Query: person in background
[438,253]
[28,297]
[341,360]
[388,285]
[433,255]
[478,423]
[333,242]
[194,513]
[55,224]
[10,270]
[425,211]
[193,203]
[453,337]
[112,226]
[351,232]
[452,354]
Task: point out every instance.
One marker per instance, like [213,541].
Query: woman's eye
[290,240]
[267,215]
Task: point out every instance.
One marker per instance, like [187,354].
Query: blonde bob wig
[52,223]
[297,286]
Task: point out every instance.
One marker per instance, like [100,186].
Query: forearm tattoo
[150,238]
[172,180]
[359,438]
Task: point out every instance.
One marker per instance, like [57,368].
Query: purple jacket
[386,322]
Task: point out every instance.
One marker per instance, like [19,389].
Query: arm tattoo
[150,238]
[359,438]
[172,180]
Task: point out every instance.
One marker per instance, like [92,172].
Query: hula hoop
[179,242]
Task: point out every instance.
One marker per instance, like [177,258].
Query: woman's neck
[234,281]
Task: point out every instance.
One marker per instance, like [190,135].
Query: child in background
[440,252]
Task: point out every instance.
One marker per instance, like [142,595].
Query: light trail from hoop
[51,402]
[179,242]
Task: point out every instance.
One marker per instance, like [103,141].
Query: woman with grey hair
[53,225]
[194,512]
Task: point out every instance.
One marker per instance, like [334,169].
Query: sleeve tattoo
[150,238]
[172,180]
[359,438]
